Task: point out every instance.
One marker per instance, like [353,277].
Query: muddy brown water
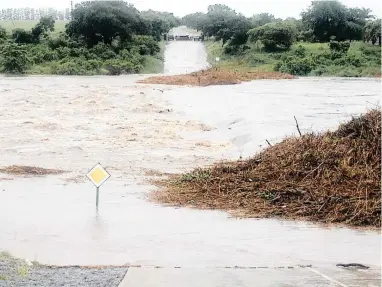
[72,123]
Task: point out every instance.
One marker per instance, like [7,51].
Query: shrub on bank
[336,61]
[296,66]
[14,59]
[273,36]
[3,34]
[118,67]
[21,36]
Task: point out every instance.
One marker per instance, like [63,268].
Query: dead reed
[332,177]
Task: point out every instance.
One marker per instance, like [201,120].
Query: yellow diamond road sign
[98,175]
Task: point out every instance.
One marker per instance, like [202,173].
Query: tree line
[322,21]
[110,37]
[28,13]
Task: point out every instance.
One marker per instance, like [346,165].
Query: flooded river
[135,130]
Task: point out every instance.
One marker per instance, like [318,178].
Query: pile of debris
[332,177]
[214,76]
[29,170]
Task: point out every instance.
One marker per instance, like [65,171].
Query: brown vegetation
[28,170]
[333,177]
[214,76]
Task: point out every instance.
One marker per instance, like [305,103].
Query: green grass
[251,60]
[29,24]
[5,255]
[255,59]
[23,270]
[155,64]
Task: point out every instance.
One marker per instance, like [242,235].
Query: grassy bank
[18,272]
[155,64]
[102,38]
[9,25]
[96,64]
[333,177]
[312,59]
[47,59]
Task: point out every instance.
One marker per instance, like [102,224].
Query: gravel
[15,272]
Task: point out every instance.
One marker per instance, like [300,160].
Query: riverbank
[133,64]
[17,272]
[311,59]
[332,177]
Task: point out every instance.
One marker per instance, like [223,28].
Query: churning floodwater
[133,130]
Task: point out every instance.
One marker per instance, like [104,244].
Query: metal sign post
[97,199]
[98,175]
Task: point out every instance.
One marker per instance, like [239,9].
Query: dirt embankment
[333,177]
[214,76]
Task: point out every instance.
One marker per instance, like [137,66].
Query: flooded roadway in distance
[133,130]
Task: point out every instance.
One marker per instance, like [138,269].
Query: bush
[306,36]
[103,51]
[147,45]
[349,72]
[319,71]
[132,56]
[63,52]
[300,51]
[339,47]
[235,49]
[14,59]
[257,59]
[118,67]
[41,53]
[70,67]
[273,36]
[92,65]
[354,60]
[3,33]
[373,51]
[79,52]
[22,36]
[60,41]
[296,66]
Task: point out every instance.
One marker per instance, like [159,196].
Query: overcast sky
[279,8]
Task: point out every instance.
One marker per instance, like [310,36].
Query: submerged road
[136,131]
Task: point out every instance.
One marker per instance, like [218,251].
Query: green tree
[168,20]
[104,21]
[273,35]
[355,22]
[333,19]
[226,25]
[42,28]
[195,20]
[261,19]
[372,32]
[159,23]
[3,33]
[216,22]
[326,19]
[14,58]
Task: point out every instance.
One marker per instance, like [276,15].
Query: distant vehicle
[182,38]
